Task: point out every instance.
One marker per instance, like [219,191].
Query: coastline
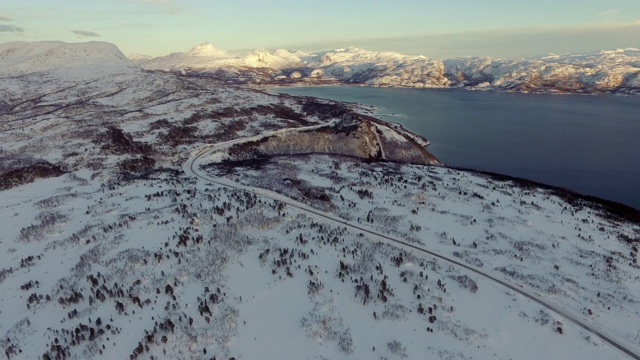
[618,207]
[336,82]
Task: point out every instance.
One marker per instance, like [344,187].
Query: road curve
[623,345]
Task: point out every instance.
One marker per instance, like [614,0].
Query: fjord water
[589,144]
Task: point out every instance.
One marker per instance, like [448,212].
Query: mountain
[208,50]
[30,69]
[278,59]
[206,57]
[615,71]
[79,59]
[360,66]
[139,57]
[150,214]
[602,72]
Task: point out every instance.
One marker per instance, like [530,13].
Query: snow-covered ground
[127,255]
[529,236]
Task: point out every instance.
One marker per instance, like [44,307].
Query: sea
[586,143]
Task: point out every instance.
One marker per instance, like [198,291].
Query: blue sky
[433,28]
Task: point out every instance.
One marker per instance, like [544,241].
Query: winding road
[622,344]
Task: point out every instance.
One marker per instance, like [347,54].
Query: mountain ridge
[604,71]
[44,56]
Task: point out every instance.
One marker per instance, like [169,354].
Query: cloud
[85,33]
[11,28]
[4,18]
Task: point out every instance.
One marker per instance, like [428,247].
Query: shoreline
[339,83]
[624,211]
[369,110]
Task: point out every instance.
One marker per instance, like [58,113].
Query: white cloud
[4,18]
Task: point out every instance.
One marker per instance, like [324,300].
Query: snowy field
[110,247]
[147,258]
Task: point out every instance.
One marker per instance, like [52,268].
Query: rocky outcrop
[354,136]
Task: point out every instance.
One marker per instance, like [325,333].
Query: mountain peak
[207,49]
[278,59]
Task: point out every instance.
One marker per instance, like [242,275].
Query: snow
[208,50]
[278,59]
[30,57]
[606,71]
[172,241]
[600,72]
[139,57]
[455,213]
[207,57]
[389,133]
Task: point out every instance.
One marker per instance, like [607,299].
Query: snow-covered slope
[136,58]
[209,51]
[202,56]
[278,59]
[207,57]
[80,59]
[109,249]
[615,71]
[29,70]
[379,68]
[605,71]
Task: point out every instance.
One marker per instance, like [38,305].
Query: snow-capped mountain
[139,57]
[602,72]
[360,66]
[146,214]
[615,71]
[208,50]
[206,57]
[202,56]
[278,59]
[79,59]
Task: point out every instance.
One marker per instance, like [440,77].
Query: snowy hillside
[18,58]
[150,215]
[602,72]
[379,68]
[207,57]
[616,71]
[29,70]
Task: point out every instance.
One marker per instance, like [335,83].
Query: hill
[18,58]
[148,214]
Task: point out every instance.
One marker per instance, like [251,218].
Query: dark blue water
[590,144]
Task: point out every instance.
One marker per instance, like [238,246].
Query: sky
[437,29]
